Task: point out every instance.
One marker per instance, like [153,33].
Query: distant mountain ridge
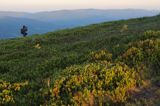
[11,26]
[42,22]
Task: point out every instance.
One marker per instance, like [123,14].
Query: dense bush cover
[141,51]
[8,91]
[103,59]
[94,84]
[104,82]
[155,59]
[133,56]
[100,55]
[151,34]
[148,46]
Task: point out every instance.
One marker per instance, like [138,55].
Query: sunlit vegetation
[100,83]
[8,92]
[103,82]
[124,28]
[96,65]
[100,55]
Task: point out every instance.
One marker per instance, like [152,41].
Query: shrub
[148,46]
[155,62]
[143,52]
[151,34]
[145,49]
[100,83]
[133,56]
[7,91]
[124,28]
[100,56]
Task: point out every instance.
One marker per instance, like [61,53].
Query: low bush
[150,34]
[100,55]
[133,56]
[8,91]
[100,83]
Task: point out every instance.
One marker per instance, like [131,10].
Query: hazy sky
[47,5]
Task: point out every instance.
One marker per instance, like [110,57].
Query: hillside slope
[40,59]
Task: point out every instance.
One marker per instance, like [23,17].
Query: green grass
[21,60]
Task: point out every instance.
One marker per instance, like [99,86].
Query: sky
[50,5]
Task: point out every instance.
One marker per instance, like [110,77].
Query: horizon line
[77,9]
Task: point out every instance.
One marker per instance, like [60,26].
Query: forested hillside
[112,63]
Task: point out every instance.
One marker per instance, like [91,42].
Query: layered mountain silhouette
[42,22]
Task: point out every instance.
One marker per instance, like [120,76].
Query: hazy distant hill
[42,22]
[10,26]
